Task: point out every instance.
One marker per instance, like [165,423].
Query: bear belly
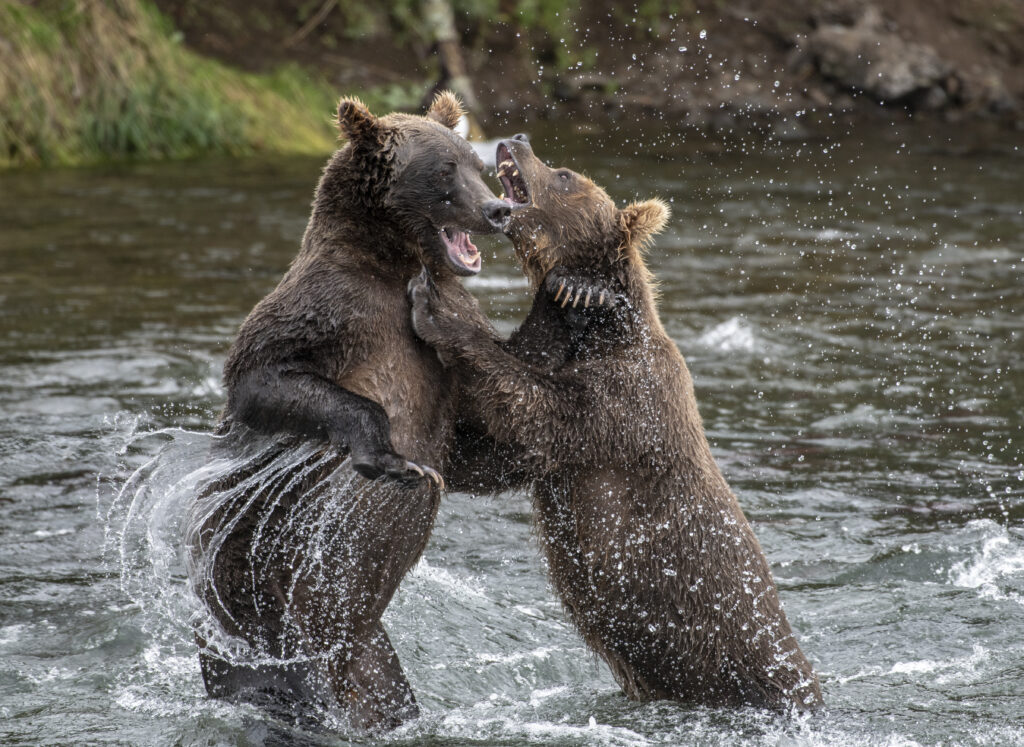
[675,595]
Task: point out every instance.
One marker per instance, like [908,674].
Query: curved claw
[600,299]
[586,301]
[561,287]
[435,477]
[567,296]
[577,299]
[423,470]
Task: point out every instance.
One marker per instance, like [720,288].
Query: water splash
[145,520]
[174,514]
[996,567]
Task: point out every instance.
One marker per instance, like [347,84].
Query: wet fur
[329,357]
[646,543]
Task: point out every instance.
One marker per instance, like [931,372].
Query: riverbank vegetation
[91,80]
[82,81]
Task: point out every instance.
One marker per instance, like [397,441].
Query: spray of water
[176,515]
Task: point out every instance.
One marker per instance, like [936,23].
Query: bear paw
[422,298]
[569,287]
[389,464]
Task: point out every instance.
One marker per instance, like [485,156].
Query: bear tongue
[460,249]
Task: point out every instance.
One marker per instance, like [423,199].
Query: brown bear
[293,554]
[646,543]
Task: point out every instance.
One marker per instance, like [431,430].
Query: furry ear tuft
[354,120]
[446,109]
[641,221]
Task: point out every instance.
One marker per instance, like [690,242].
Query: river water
[852,310]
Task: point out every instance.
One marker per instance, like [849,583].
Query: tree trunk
[440,20]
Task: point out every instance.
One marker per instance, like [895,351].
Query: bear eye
[448,169]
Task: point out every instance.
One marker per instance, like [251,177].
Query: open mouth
[516,192]
[462,254]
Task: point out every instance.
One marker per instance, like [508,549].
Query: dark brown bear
[647,545]
[292,552]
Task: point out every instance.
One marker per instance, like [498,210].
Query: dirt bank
[777,64]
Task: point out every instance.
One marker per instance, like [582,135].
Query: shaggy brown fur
[329,357]
[647,545]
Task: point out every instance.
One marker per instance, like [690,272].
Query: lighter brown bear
[646,543]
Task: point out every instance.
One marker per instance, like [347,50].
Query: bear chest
[407,380]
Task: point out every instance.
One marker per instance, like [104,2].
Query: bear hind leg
[370,685]
[290,691]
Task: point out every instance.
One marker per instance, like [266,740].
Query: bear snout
[497,213]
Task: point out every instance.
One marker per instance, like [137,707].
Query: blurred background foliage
[92,80]
[82,81]
[88,80]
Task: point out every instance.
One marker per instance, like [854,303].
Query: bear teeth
[504,166]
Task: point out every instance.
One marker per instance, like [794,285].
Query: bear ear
[641,221]
[355,120]
[446,109]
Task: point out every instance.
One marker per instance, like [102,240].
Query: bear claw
[424,471]
[577,291]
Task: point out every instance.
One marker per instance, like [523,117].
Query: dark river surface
[852,311]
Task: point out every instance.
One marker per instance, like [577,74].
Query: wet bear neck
[597,331]
[350,218]
[575,334]
[378,249]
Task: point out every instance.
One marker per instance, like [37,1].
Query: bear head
[562,219]
[418,178]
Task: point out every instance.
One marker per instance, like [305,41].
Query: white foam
[474,726]
[861,416]
[540,654]
[529,611]
[947,670]
[834,234]
[51,533]
[733,335]
[10,634]
[494,280]
[993,566]
[458,586]
[538,696]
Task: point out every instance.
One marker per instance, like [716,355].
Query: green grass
[92,80]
